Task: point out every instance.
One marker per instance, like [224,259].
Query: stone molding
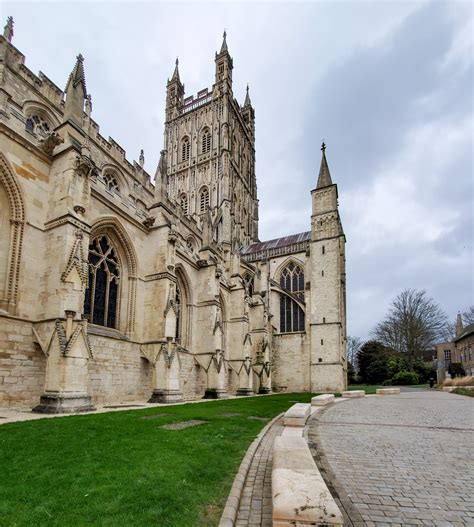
[17,223]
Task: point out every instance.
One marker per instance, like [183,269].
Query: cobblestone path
[255,507]
[399,460]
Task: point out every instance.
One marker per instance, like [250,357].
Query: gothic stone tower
[209,144]
[327,315]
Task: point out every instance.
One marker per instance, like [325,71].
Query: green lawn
[118,469]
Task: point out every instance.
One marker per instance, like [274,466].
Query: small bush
[460,381]
[405,377]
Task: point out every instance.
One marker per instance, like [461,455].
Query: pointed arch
[291,280]
[185,309]
[13,236]
[125,252]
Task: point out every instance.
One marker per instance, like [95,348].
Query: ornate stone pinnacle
[8,29]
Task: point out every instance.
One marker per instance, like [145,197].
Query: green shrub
[405,377]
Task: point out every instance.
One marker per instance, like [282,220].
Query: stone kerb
[388,391]
[297,415]
[322,400]
[299,493]
[353,394]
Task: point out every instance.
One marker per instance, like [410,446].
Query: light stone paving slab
[399,461]
[388,391]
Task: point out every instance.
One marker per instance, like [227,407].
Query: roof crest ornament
[8,29]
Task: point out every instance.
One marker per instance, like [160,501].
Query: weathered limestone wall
[291,363]
[117,371]
[22,364]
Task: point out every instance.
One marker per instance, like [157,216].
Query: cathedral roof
[277,243]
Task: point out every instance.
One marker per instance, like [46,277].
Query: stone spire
[175,76]
[8,29]
[324,179]
[76,93]
[224,43]
[459,325]
[247,101]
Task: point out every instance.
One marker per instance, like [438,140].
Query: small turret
[76,93]
[224,66]
[174,94]
[248,113]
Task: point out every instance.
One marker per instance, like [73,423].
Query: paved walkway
[399,460]
[255,507]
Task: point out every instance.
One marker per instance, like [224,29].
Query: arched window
[206,141]
[37,124]
[102,295]
[185,149]
[183,201]
[249,284]
[204,200]
[111,183]
[179,321]
[291,314]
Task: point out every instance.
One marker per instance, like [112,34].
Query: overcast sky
[388,85]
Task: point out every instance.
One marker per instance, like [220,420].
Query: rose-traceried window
[291,314]
[102,295]
[111,183]
[37,124]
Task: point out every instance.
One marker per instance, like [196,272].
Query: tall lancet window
[185,149]
[101,300]
[204,200]
[291,314]
[178,314]
[206,141]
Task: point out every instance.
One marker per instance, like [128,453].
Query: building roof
[468,330]
[277,243]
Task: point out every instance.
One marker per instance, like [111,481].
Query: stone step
[352,394]
[297,414]
[299,494]
[323,400]
[388,391]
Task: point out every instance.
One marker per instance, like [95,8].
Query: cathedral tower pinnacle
[224,66]
[76,93]
[174,94]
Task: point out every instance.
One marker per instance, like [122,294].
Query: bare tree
[413,323]
[468,316]
[353,347]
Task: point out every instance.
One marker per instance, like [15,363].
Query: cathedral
[118,286]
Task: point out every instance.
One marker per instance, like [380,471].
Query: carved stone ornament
[76,261]
[149,222]
[85,167]
[66,344]
[79,209]
[50,142]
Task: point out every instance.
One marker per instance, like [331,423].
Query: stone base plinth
[166,396]
[64,403]
[245,391]
[216,393]
[264,390]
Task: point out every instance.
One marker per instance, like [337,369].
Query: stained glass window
[101,299]
[291,314]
